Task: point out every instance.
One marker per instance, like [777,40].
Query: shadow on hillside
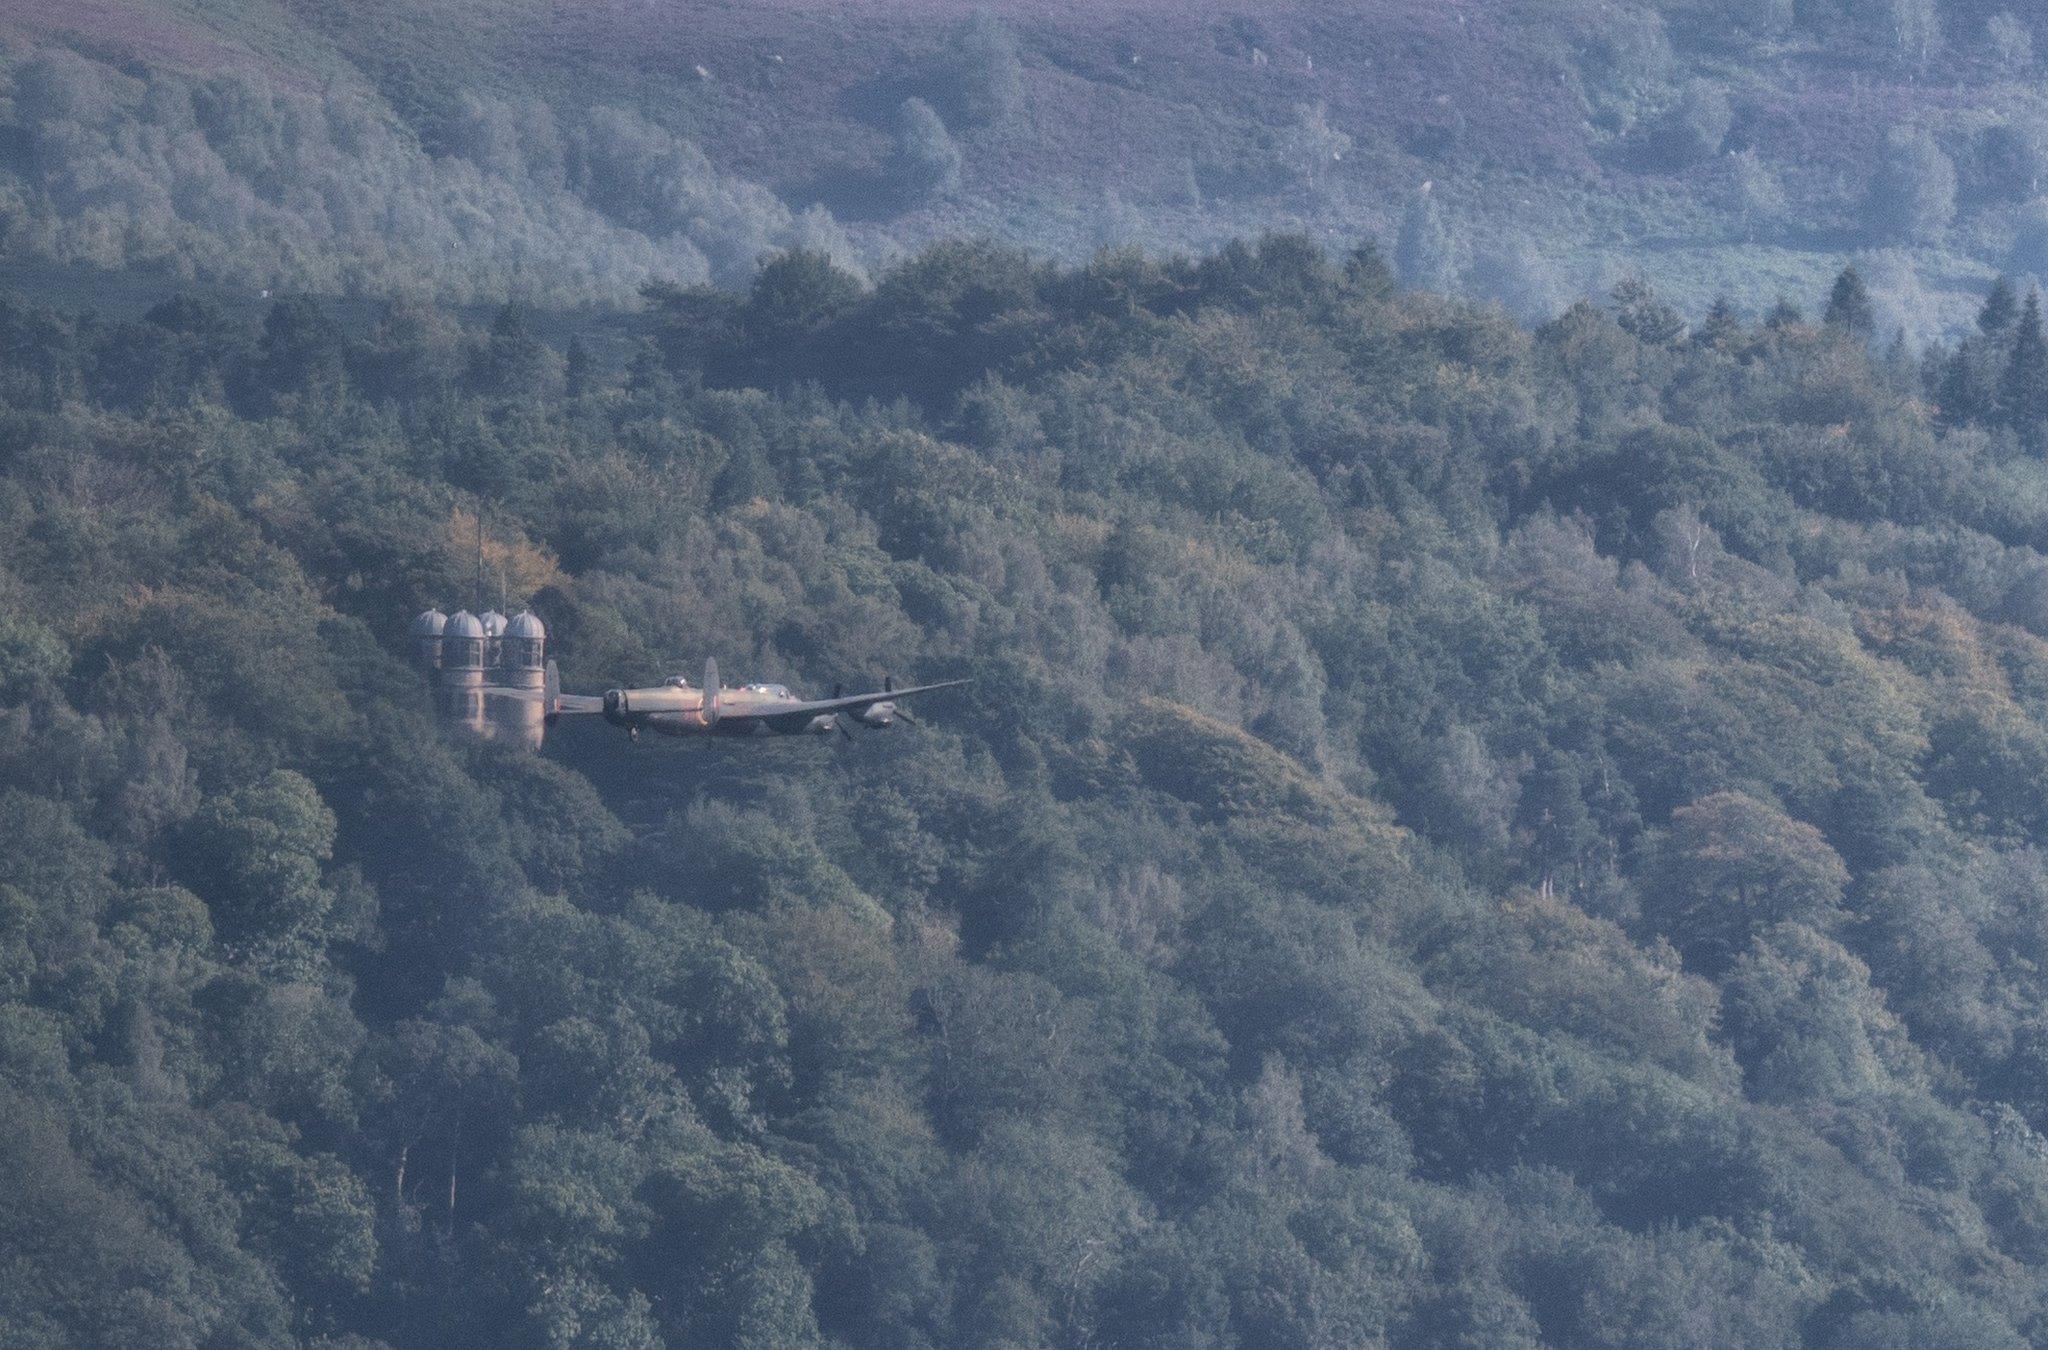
[851,194]
[876,99]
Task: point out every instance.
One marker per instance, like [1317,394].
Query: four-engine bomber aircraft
[675,708]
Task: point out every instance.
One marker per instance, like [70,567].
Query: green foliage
[1423,253]
[2023,392]
[257,853]
[926,161]
[1806,1023]
[1458,836]
[1913,193]
[482,155]
[1694,127]
[32,660]
[1848,308]
[1732,866]
[984,71]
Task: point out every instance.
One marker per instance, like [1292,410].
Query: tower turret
[426,638]
[462,669]
[522,664]
[462,642]
[525,642]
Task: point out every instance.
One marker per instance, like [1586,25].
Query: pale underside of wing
[851,703]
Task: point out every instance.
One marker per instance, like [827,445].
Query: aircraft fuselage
[676,709]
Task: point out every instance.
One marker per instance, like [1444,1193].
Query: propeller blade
[888,684]
[839,721]
[904,713]
[838,689]
[710,691]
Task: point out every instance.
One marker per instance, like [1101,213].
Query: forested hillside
[1527,151]
[1459,836]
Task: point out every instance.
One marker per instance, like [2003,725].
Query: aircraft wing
[793,713]
[554,703]
[555,706]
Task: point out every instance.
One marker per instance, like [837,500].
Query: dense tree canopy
[1460,835]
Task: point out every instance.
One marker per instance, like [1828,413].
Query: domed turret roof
[463,625]
[493,622]
[526,624]
[429,624]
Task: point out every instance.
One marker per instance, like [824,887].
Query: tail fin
[551,694]
[710,690]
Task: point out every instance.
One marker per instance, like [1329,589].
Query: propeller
[839,725]
[710,691]
[904,713]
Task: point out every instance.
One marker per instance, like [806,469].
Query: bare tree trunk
[454,1143]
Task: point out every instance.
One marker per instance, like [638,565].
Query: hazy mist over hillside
[1530,151]
[1477,581]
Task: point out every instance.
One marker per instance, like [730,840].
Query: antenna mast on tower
[479,557]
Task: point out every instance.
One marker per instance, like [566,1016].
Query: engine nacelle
[879,714]
[824,724]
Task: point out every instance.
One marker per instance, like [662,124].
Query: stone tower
[469,654]
[462,671]
[521,665]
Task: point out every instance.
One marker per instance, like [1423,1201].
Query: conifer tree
[1898,360]
[513,362]
[2024,391]
[1848,308]
[581,370]
[1720,327]
[1958,394]
[1783,314]
[2001,307]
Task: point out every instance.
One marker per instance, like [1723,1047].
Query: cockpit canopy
[777,690]
[676,682]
